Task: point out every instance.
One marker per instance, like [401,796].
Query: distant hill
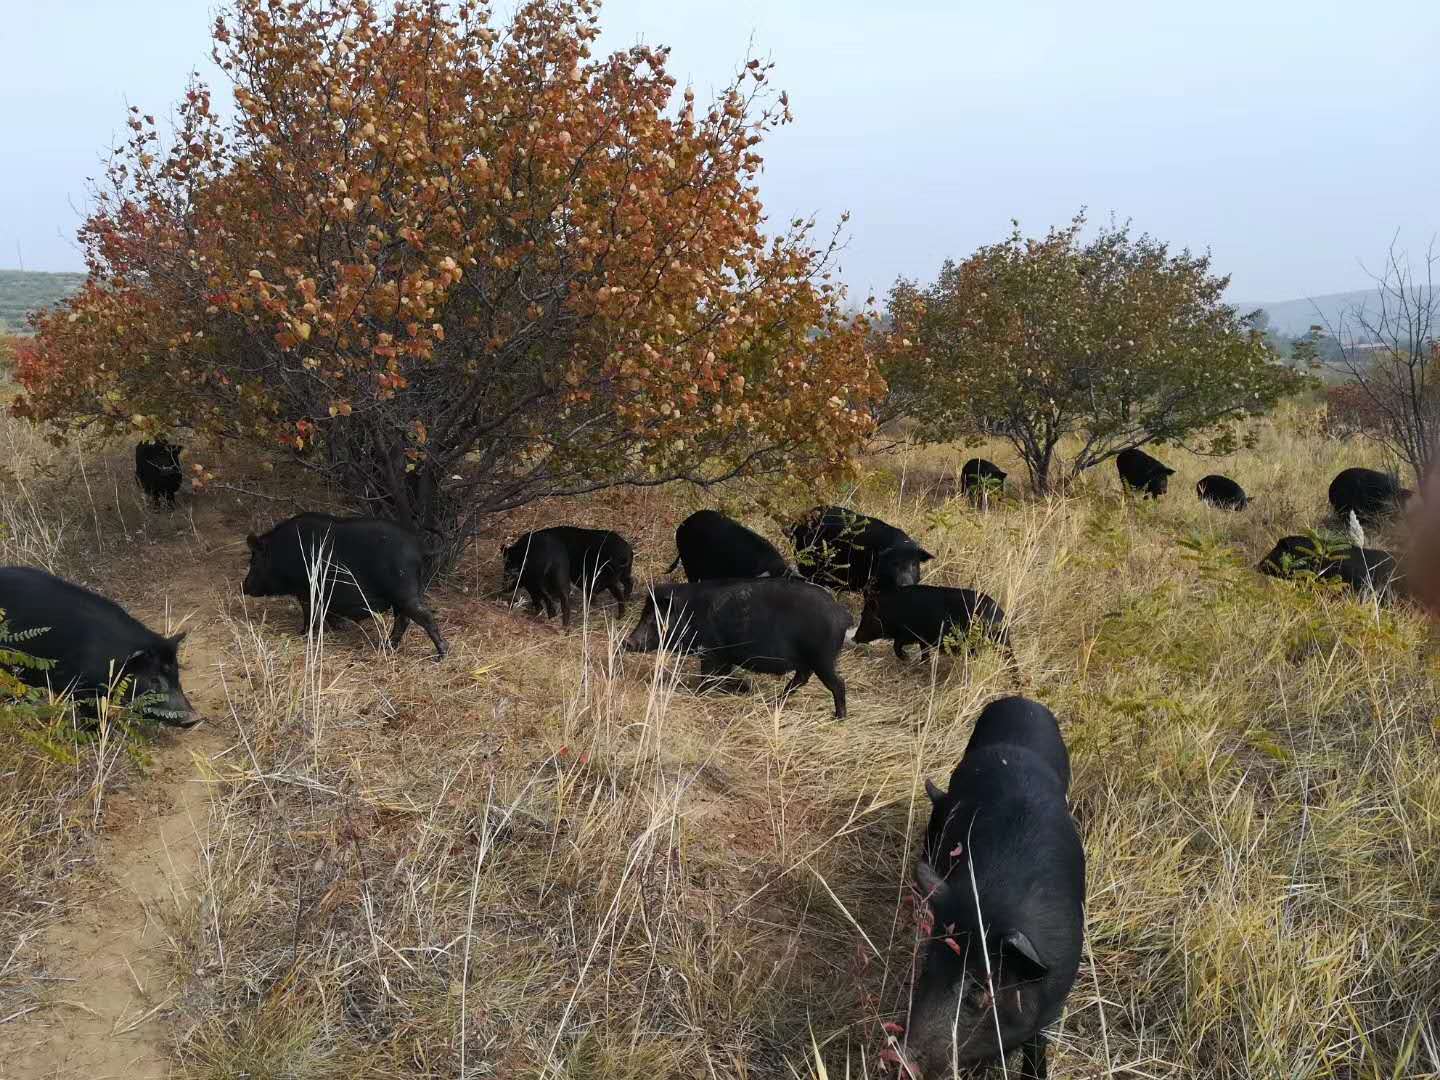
[1292,318]
[24,291]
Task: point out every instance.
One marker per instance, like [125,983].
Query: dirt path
[105,1018]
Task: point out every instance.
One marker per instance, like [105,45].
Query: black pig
[93,641]
[373,566]
[1141,471]
[1002,853]
[842,549]
[980,477]
[1372,496]
[930,616]
[711,545]
[1221,491]
[1360,568]
[767,625]
[539,563]
[548,561]
[157,469]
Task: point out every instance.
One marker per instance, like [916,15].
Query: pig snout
[190,716]
[646,636]
[163,699]
[641,639]
[176,711]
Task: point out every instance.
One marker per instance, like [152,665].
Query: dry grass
[71,510]
[538,859]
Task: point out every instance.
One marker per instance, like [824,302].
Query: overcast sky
[1290,137]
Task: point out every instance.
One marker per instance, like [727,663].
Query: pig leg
[613,584]
[900,651]
[565,608]
[397,631]
[827,674]
[543,606]
[414,610]
[799,679]
[1034,1067]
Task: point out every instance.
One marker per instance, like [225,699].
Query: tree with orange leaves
[457,268]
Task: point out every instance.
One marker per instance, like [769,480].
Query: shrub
[1113,340]
[1350,411]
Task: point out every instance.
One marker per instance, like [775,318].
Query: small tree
[457,269]
[1388,346]
[1305,354]
[1113,341]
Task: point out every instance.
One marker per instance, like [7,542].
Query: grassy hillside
[546,858]
[24,291]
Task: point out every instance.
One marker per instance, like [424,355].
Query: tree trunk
[1039,460]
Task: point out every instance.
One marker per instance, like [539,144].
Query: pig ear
[936,795]
[925,556]
[1168,471]
[1019,956]
[252,542]
[174,640]
[932,885]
